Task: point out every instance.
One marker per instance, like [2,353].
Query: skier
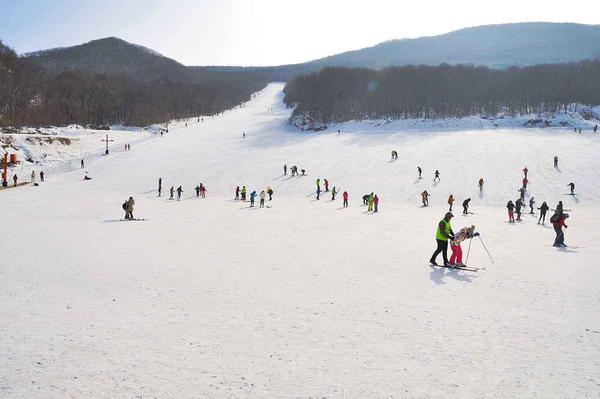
[522,193]
[252,196]
[465,205]
[244,191]
[531,205]
[572,186]
[42,176]
[558,223]
[425,198]
[129,208]
[15,178]
[172,192]
[450,202]
[543,209]
[270,192]
[243,135]
[345,197]
[262,199]
[303,172]
[294,170]
[596,128]
[463,234]
[511,209]
[33,177]
[197,189]
[525,181]
[366,199]
[525,170]
[556,161]
[518,206]
[437,175]
[420,171]
[237,193]
[202,190]
[82,164]
[318,191]
[179,192]
[159,186]
[376,203]
[326,185]
[481,184]
[443,233]
[284,170]
[318,183]
[371,203]
[333,193]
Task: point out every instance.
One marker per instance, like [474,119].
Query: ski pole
[468,251]
[486,250]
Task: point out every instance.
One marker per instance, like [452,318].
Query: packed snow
[211,298]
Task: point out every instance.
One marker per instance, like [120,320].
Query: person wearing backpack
[558,224]
[128,208]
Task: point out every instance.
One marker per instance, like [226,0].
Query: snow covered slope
[211,298]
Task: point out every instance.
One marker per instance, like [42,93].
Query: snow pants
[345,203]
[542,217]
[442,246]
[456,254]
[560,236]
[511,216]
[262,202]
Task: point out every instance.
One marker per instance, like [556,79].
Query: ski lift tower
[107,140]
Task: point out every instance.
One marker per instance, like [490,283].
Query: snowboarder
[244,191]
[237,193]
[172,192]
[33,177]
[345,197]
[252,196]
[197,189]
[481,184]
[543,209]
[159,186]
[511,209]
[425,198]
[443,233]
[333,193]
[129,208]
[376,203]
[556,161]
[262,199]
[558,223]
[326,183]
[15,178]
[270,192]
[437,175]
[179,192]
[371,202]
[42,176]
[525,170]
[420,171]
[531,205]
[463,234]
[450,202]
[572,186]
[465,205]
[518,206]
[284,170]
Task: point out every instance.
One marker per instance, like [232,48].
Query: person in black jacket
[466,206]
[511,209]
[543,209]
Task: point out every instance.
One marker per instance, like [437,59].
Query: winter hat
[449,214]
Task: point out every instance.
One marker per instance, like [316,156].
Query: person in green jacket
[444,232]
[371,201]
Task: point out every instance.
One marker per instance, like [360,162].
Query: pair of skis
[465,268]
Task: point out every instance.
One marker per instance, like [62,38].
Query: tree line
[33,96]
[342,94]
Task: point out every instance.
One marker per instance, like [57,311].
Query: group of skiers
[371,201]
[293,170]
[241,194]
[465,203]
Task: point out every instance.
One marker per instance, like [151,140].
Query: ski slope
[211,298]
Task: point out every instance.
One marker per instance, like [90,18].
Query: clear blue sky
[262,32]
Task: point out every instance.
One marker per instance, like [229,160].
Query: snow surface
[211,298]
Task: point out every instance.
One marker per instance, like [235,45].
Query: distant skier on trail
[345,197]
[82,164]
[556,161]
[443,234]
[518,206]
[197,189]
[284,170]
[420,172]
[33,177]
[42,176]
[128,208]
[318,191]
[365,199]
[270,192]
[376,203]
[572,186]
[237,193]
[531,206]
[450,202]
[179,192]
[425,198]
[522,193]
[159,186]
[525,181]
[481,184]
[244,191]
[394,155]
[252,196]
[294,170]
[303,172]
[558,223]
[326,183]
[465,205]
[543,209]
[202,190]
[511,209]
[333,193]
[172,192]
[437,175]
[15,179]
[525,170]
[371,203]
[262,198]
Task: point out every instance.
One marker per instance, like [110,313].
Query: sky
[262,32]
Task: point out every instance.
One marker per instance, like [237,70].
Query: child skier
[511,209]
[463,234]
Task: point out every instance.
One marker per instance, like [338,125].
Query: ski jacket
[376,199]
[560,222]
[262,195]
[444,230]
[451,200]
[345,195]
[510,206]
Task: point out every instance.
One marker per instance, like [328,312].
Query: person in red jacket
[376,203]
[558,224]
[525,181]
[345,196]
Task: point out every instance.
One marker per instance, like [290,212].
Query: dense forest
[342,94]
[35,96]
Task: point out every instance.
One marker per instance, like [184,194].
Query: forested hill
[343,94]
